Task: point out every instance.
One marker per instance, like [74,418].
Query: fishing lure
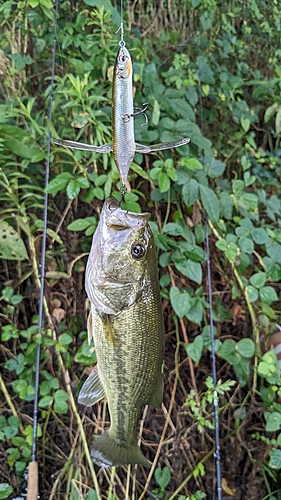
[123,143]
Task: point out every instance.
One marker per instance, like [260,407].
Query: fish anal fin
[92,390]
[157,396]
[108,451]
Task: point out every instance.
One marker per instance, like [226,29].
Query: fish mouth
[119,219]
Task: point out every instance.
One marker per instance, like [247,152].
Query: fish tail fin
[107,451]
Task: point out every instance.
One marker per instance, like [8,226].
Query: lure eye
[122,58]
[138,250]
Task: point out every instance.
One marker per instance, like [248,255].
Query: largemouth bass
[126,323]
[123,143]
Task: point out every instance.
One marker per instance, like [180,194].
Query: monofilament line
[212,333]
[44,239]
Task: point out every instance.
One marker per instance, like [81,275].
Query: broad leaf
[181,301]
[18,141]
[210,202]
[12,246]
[195,348]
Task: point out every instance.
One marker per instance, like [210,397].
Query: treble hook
[142,111]
[123,191]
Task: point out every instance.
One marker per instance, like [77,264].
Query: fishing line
[211,322]
[32,488]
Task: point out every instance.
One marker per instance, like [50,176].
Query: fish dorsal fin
[92,391]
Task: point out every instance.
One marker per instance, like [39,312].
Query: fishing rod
[211,324]
[33,482]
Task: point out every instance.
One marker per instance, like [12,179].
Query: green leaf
[246,245]
[46,3]
[232,251]
[192,164]
[45,401]
[190,192]
[273,421]
[73,189]
[65,339]
[191,269]
[268,294]
[252,293]
[227,351]
[210,202]
[33,3]
[164,182]
[215,167]
[91,495]
[61,398]
[221,244]
[5,490]
[155,113]
[275,459]
[162,477]
[270,112]
[278,121]
[242,371]
[82,224]
[258,279]
[181,301]
[195,313]
[12,246]
[58,183]
[83,182]
[260,236]
[18,141]
[195,348]
[245,347]
[245,123]
[205,73]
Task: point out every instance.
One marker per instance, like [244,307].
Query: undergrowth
[218,57]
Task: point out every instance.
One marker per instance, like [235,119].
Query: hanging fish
[123,142]
[126,323]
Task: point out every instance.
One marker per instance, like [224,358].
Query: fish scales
[127,326]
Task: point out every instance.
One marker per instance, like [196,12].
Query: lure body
[126,323]
[123,140]
[123,143]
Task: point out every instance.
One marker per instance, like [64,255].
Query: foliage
[215,81]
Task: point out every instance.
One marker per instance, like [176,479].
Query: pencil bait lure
[123,143]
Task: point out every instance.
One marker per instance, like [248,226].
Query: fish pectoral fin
[157,397]
[108,451]
[105,148]
[92,391]
[140,148]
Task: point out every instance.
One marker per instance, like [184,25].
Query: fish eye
[138,250]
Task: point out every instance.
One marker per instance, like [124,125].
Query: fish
[123,143]
[126,323]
